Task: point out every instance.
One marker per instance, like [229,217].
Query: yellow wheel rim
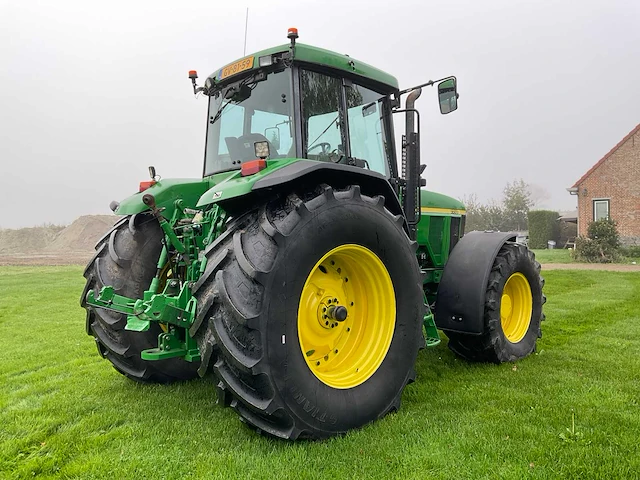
[516,307]
[346,316]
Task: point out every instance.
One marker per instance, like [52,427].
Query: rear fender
[236,193]
[461,292]
[311,173]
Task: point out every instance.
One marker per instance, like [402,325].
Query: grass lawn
[563,255]
[558,255]
[570,411]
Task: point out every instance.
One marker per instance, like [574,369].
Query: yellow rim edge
[345,354]
[516,307]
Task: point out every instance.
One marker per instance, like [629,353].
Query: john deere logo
[217,194]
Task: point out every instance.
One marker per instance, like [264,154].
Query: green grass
[64,412]
[558,255]
[563,255]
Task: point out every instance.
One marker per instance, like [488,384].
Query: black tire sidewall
[318,405]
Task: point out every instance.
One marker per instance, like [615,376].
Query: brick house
[612,188]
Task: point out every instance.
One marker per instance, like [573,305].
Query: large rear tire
[512,310]
[126,258]
[312,306]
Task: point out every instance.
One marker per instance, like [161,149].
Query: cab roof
[325,58]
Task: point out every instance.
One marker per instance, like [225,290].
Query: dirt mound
[82,234]
[47,240]
[32,239]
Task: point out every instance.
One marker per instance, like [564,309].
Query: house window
[600,209]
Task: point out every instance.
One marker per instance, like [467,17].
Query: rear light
[145,185]
[253,166]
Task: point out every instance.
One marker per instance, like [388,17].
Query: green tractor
[304,268]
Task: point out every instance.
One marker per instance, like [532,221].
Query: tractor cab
[298,101]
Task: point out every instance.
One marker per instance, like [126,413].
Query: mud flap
[461,293]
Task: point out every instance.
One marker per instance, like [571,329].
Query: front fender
[462,290]
[166,192]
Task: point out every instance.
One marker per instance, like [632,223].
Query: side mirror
[273,135]
[448,95]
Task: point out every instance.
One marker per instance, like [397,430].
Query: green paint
[170,346]
[433,337]
[136,325]
[235,185]
[434,228]
[108,300]
[166,192]
[438,200]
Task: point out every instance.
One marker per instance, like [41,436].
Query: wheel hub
[330,312]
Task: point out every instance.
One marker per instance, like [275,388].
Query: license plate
[237,67]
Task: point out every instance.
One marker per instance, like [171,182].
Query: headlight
[265,61]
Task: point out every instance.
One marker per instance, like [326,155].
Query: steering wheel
[326,147]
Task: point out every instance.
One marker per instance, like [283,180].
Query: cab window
[366,128]
[322,127]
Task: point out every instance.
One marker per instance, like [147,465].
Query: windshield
[241,114]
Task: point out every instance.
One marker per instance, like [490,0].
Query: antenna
[246,23]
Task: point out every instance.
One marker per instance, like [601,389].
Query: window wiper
[235,93]
[218,113]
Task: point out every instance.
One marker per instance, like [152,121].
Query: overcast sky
[91,93]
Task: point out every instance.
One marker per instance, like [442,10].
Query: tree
[483,217]
[602,243]
[516,204]
[510,214]
[543,226]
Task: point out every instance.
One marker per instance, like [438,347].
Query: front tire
[287,366]
[512,310]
